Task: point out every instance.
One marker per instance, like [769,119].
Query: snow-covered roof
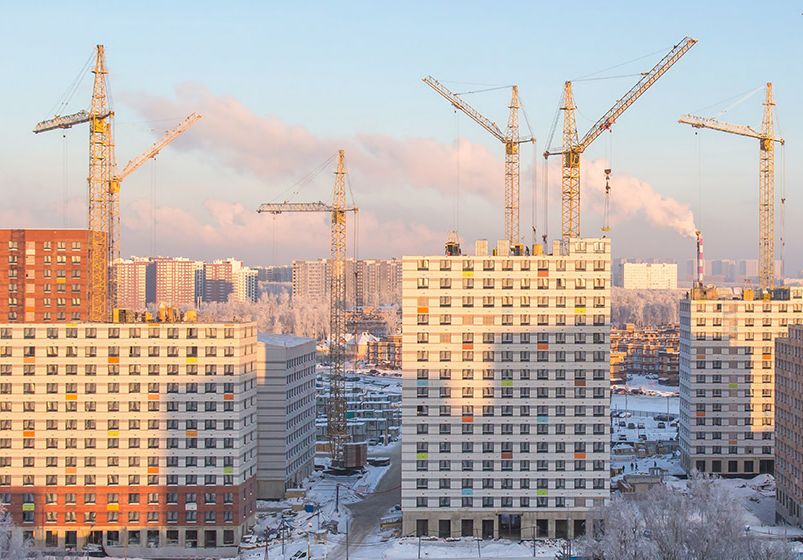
[286,340]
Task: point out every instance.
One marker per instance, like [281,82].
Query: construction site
[491,418]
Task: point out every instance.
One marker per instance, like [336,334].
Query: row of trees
[644,307]
[278,313]
[704,522]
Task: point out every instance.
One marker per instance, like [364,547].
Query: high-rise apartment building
[789,426]
[229,279]
[172,281]
[649,276]
[286,419]
[727,377]
[43,275]
[132,283]
[506,392]
[369,283]
[141,437]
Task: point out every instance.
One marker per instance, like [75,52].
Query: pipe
[700,261]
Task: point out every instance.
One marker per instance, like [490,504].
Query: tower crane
[573,148]
[104,186]
[511,141]
[336,427]
[766,179]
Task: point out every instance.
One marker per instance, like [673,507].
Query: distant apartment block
[275,273]
[506,392]
[646,351]
[182,283]
[43,275]
[385,352]
[368,282]
[730,271]
[172,281]
[229,279]
[286,413]
[132,283]
[789,426]
[727,377]
[649,276]
[139,437]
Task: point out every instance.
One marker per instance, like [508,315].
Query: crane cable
[65,168]
[153,206]
[66,97]
[456,218]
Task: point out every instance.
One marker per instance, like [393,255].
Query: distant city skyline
[276,107]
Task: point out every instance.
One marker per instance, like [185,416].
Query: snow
[670,463]
[643,403]
[651,429]
[407,549]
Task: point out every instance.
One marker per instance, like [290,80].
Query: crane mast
[511,141]
[512,166]
[573,148]
[336,428]
[766,179]
[101,226]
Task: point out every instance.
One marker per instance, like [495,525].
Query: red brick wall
[23,281]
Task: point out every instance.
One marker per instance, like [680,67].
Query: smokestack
[700,261]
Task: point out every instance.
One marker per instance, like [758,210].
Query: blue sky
[350,73]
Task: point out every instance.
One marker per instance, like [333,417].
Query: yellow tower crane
[104,186]
[573,148]
[766,180]
[511,141]
[336,428]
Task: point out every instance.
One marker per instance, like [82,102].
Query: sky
[283,86]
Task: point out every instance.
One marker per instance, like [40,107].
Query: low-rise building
[649,276]
[286,413]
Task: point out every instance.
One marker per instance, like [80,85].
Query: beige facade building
[650,276]
[789,426]
[727,377]
[142,437]
[506,392]
[286,420]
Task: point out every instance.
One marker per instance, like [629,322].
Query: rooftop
[286,340]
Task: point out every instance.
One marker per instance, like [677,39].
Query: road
[366,513]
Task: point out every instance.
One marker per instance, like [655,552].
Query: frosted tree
[12,547]
[704,522]
[644,307]
[275,313]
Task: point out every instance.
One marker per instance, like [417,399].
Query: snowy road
[366,513]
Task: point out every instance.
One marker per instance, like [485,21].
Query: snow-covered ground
[408,549]
[650,428]
[650,396]
[632,465]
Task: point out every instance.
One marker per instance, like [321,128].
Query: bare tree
[704,522]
